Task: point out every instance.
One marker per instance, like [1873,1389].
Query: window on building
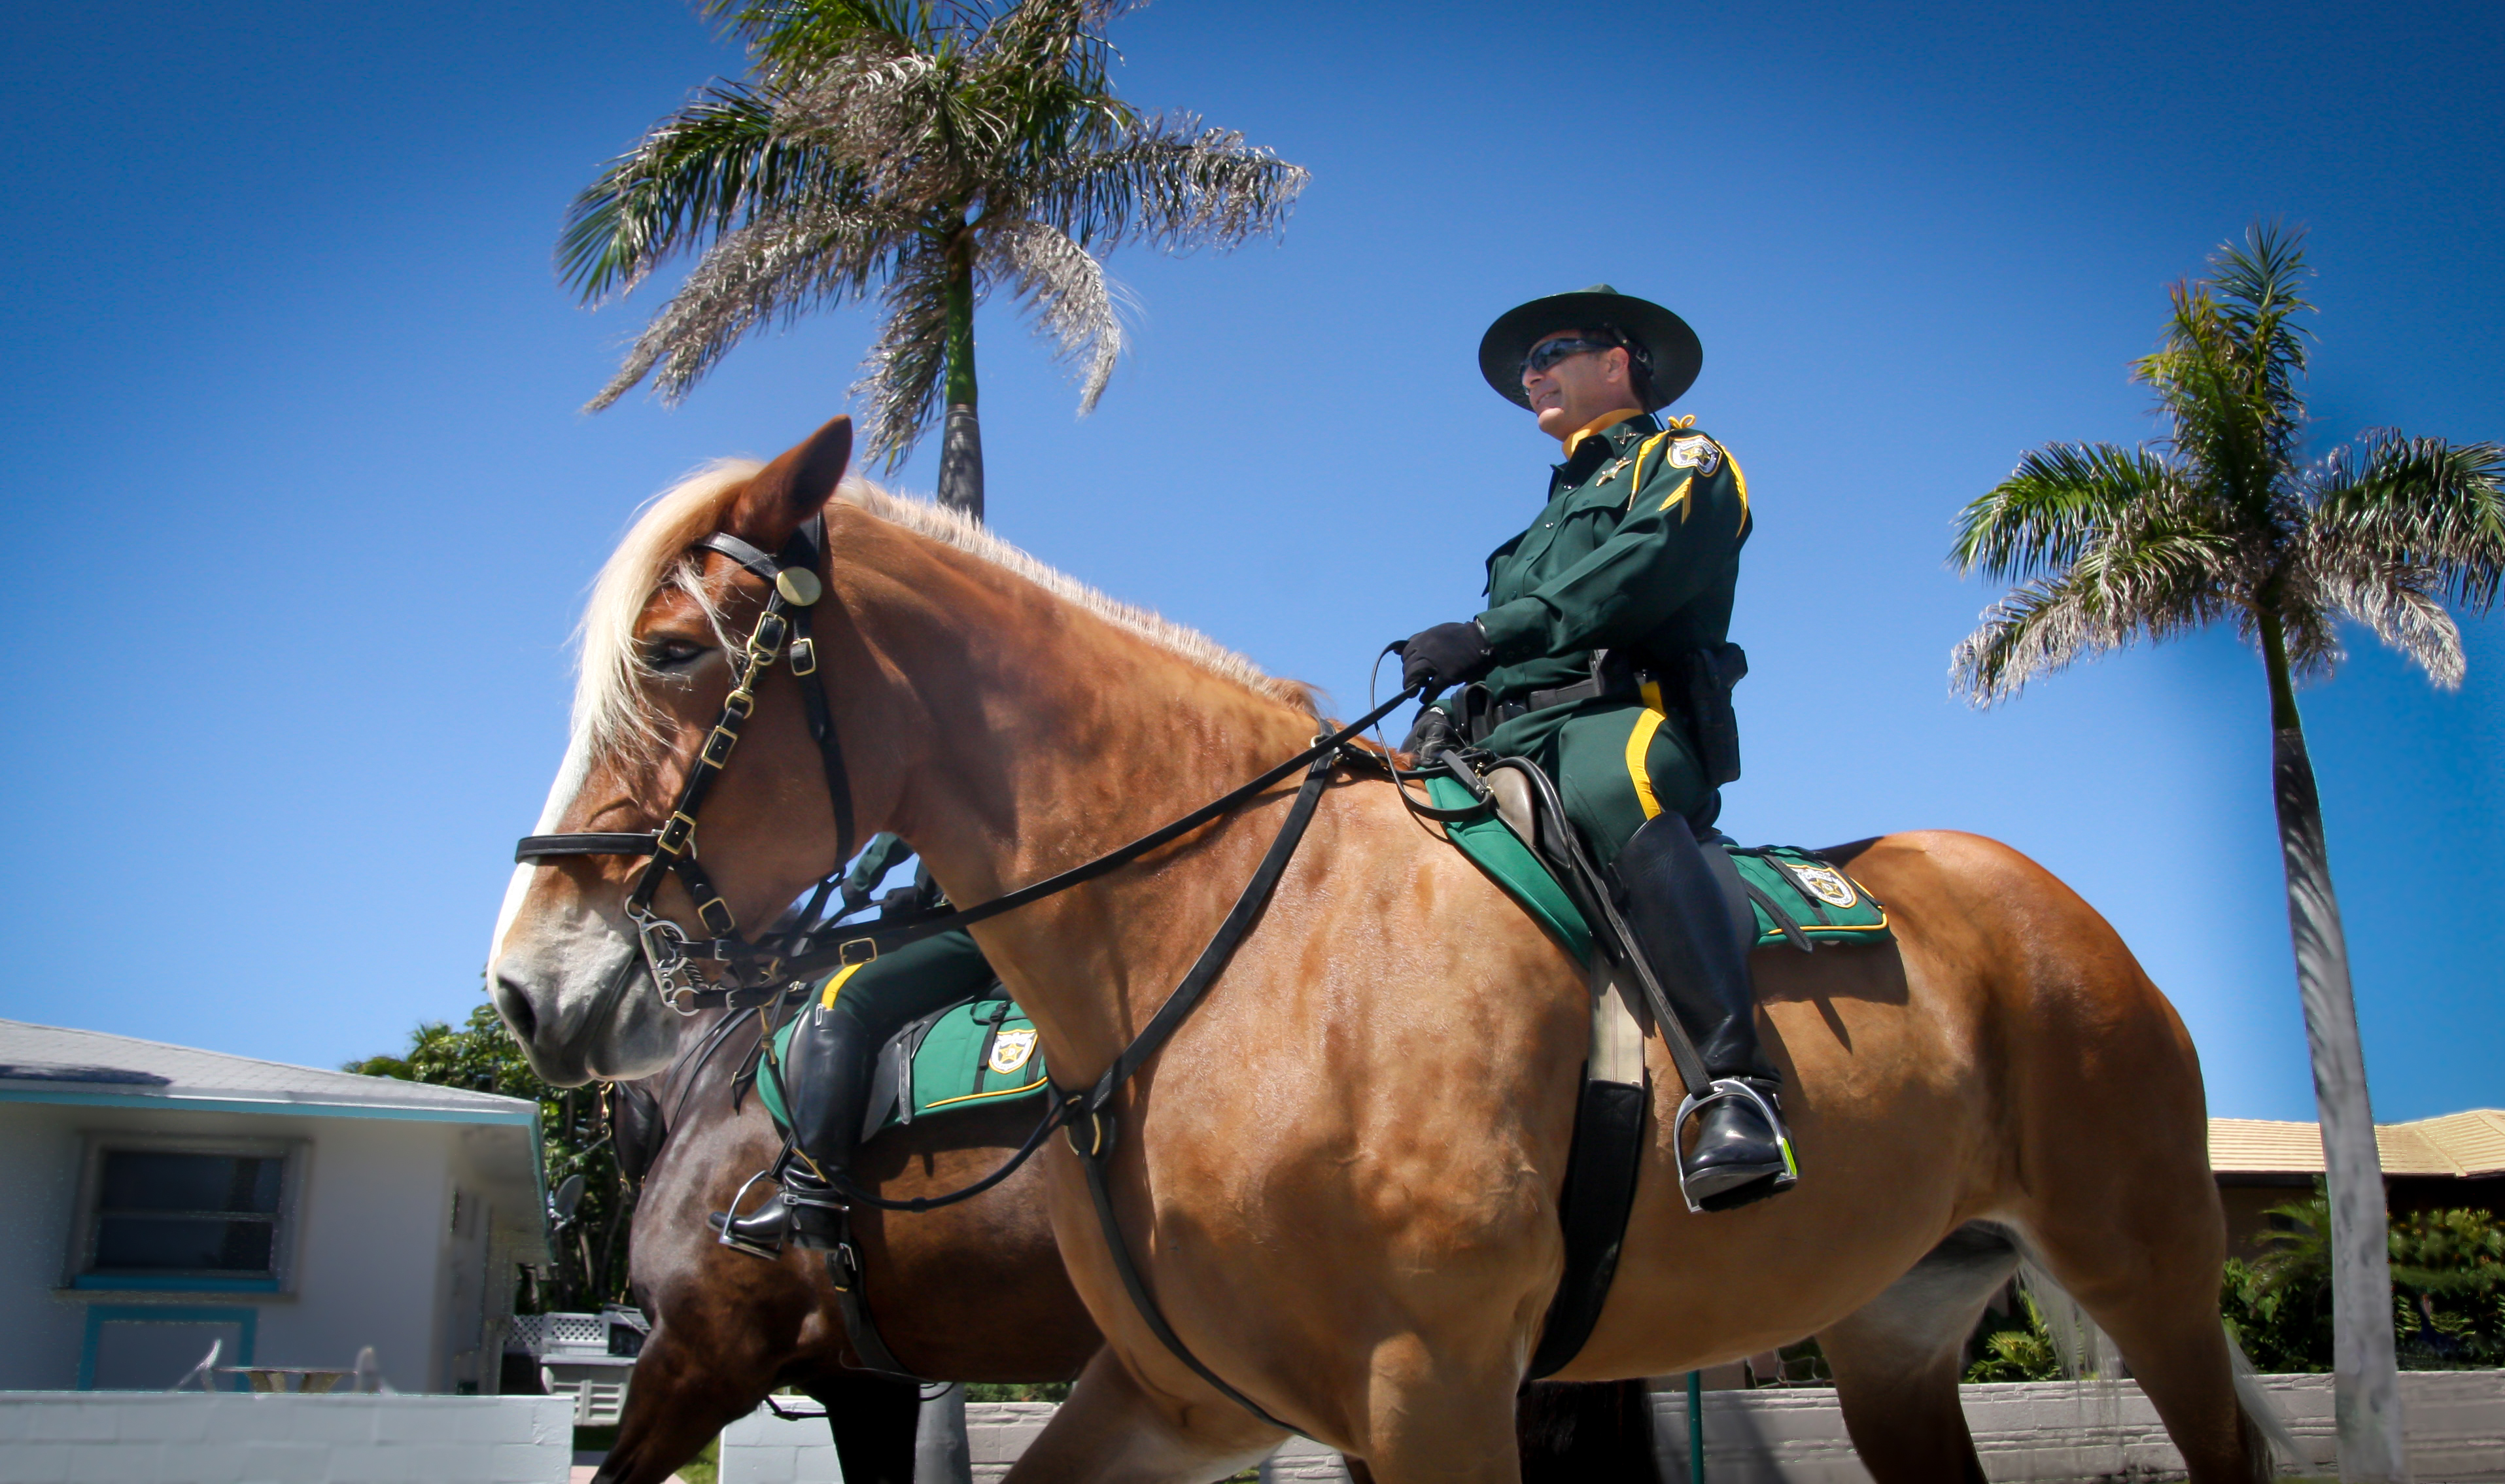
[163,1214]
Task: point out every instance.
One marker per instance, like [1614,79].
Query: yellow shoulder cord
[1636,482]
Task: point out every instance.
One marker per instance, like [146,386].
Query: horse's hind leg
[2143,1261]
[1897,1360]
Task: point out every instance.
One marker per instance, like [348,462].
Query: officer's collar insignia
[1827,884]
[1695,452]
[1010,1050]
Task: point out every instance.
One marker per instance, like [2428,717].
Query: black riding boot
[825,1079]
[1697,938]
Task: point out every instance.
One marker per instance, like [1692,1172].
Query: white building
[155,1198]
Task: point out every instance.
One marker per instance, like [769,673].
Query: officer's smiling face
[1575,390]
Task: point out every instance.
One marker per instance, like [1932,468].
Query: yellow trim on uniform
[1650,690]
[997,1092]
[1638,743]
[1740,482]
[827,1001]
[1605,420]
[1677,497]
[1637,484]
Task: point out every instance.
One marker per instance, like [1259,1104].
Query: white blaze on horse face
[556,956]
[570,775]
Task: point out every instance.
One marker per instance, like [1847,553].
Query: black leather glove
[1452,654]
[1430,734]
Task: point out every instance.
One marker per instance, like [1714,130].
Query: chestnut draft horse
[1340,1178]
[970,1292]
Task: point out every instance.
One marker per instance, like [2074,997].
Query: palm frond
[790,38]
[2154,577]
[2258,293]
[903,122]
[2221,435]
[783,265]
[696,175]
[2417,503]
[1065,289]
[1171,182]
[2396,600]
[2053,505]
[899,381]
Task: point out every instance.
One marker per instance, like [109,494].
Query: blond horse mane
[609,710]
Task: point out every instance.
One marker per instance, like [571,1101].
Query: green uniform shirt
[1638,550]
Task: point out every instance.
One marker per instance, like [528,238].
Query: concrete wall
[54,1437]
[374,1261]
[2047,1433]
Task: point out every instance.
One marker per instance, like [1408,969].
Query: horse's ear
[793,487]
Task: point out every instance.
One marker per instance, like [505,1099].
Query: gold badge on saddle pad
[1827,884]
[1010,1050]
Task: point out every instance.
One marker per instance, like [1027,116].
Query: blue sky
[303,508]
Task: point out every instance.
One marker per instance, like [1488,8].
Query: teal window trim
[245,1321]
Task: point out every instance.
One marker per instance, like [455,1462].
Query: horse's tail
[2267,1434]
[2088,1354]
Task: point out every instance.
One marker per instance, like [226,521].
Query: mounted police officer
[1603,656]
[828,1066]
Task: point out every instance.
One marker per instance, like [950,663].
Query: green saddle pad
[1823,904]
[972,1055]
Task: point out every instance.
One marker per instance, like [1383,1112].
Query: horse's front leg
[1429,1417]
[1113,1431]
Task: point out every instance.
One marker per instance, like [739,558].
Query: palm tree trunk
[960,436]
[2365,1377]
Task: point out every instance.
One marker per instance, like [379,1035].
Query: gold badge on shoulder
[1696,451]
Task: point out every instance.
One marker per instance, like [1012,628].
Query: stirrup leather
[1723,1090]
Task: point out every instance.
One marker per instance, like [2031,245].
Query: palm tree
[2224,517]
[925,151]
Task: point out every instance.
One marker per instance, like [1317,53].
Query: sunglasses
[1548,353]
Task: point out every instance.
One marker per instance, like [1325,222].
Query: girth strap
[844,1271]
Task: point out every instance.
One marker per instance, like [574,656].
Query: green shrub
[2447,1291]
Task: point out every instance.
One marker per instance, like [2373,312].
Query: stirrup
[726,1224]
[1723,1090]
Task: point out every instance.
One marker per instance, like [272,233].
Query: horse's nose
[514,1006]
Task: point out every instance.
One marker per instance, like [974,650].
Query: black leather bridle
[753,972]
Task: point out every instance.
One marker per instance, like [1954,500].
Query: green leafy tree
[2448,1280]
[589,1244]
[2449,1283]
[926,152]
[2225,518]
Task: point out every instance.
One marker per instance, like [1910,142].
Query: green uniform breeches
[1617,763]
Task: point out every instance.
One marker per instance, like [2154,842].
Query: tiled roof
[55,1064]
[2460,1144]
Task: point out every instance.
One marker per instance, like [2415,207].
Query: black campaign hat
[1677,355]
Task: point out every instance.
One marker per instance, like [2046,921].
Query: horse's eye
[672,653]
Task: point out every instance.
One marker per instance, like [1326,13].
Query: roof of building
[2463,1146]
[53,1064]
